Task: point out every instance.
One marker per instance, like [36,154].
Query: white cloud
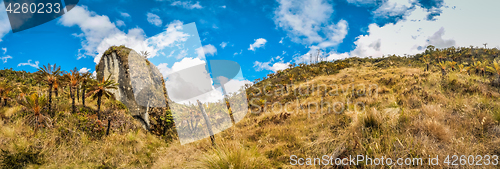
[187,4]
[392,8]
[257,44]
[35,65]
[387,9]
[223,45]
[336,56]
[335,34]
[259,66]
[4,21]
[410,36]
[209,49]
[275,64]
[182,54]
[4,58]
[188,78]
[311,56]
[206,50]
[438,41]
[363,2]
[154,19]
[124,14]
[84,70]
[187,63]
[223,6]
[236,53]
[95,27]
[134,39]
[99,34]
[171,36]
[164,70]
[308,22]
[281,41]
[200,52]
[120,23]
[233,85]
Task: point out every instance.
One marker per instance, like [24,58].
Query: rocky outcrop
[141,84]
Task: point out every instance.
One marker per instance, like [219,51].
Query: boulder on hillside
[141,85]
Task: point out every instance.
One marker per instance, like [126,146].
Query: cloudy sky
[262,36]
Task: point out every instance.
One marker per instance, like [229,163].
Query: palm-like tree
[496,71]
[443,66]
[144,54]
[427,61]
[5,90]
[72,78]
[35,103]
[49,74]
[23,91]
[97,89]
[56,88]
[452,64]
[292,76]
[481,67]
[462,68]
[84,78]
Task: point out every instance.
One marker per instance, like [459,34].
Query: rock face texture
[141,85]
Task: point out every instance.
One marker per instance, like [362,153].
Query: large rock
[141,84]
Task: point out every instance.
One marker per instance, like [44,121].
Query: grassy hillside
[392,107]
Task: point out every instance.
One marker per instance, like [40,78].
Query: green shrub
[20,159]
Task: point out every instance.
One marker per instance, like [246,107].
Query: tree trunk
[427,67]
[77,93]
[99,95]
[50,97]
[36,123]
[83,94]
[443,72]
[83,97]
[207,121]
[226,100]
[109,126]
[72,100]
[56,92]
[230,112]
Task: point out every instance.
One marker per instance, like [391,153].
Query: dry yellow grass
[411,113]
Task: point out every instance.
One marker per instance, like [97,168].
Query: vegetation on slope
[440,102]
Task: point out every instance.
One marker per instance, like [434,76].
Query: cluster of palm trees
[476,67]
[78,83]
[480,61]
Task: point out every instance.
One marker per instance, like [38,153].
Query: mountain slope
[412,113]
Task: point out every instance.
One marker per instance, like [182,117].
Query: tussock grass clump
[20,159]
[438,130]
[372,120]
[234,155]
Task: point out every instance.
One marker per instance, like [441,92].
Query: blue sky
[263,36]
